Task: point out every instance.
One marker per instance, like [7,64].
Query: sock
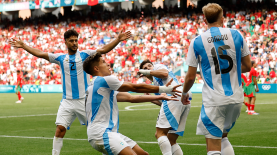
[253,106]
[57,145]
[246,104]
[226,147]
[164,145]
[19,96]
[249,107]
[214,153]
[176,150]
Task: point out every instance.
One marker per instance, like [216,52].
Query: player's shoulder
[87,51]
[159,66]
[58,56]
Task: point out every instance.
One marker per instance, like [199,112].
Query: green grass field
[31,132]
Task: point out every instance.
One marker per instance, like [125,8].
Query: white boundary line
[128,108]
[25,137]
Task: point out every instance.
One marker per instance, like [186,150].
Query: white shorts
[173,115]
[216,120]
[112,143]
[68,111]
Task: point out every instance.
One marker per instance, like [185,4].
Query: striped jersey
[74,79]
[218,51]
[164,81]
[101,106]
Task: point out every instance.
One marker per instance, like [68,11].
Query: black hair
[144,62]
[90,62]
[252,63]
[70,33]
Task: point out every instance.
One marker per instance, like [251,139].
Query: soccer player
[74,80]
[172,118]
[102,110]
[244,87]
[251,90]
[18,87]
[222,55]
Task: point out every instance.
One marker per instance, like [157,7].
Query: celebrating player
[222,55]
[18,87]
[74,80]
[173,115]
[251,90]
[102,110]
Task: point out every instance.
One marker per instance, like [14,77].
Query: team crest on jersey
[217,38]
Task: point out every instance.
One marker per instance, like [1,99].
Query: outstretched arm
[107,48]
[127,97]
[145,88]
[160,73]
[36,52]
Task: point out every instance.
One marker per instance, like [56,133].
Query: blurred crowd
[160,35]
[14,1]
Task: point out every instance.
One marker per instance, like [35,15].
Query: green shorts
[18,89]
[250,91]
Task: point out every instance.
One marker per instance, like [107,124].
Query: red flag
[92,2]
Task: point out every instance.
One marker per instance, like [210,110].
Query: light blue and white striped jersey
[164,81]
[74,79]
[218,52]
[101,106]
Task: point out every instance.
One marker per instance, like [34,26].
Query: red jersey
[243,79]
[19,80]
[253,73]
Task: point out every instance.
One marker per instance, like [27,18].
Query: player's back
[101,107]
[219,52]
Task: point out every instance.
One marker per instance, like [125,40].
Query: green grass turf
[139,125]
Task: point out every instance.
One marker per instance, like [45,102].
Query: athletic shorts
[68,111]
[216,120]
[250,90]
[173,115]
[112,143]
[18,89]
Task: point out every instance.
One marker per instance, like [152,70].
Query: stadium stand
[163,37]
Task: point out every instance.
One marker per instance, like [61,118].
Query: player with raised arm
[222,55]
[18,87]
[172,118]
[102,110]
[74,80]
[252,88]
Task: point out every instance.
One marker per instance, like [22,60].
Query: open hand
[16,43]
[174,89]
[124,36]
[163,96]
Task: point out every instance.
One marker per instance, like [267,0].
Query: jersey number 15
[222,56]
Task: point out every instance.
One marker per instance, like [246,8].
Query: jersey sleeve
[53,58]
[113,82]
[245,50]
[89,52]
[160,66]
[192,56]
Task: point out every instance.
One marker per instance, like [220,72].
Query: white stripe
[67,78]
[128,108]
[80,75]
[27,115]
[216,78]
[25,137]
[232,53]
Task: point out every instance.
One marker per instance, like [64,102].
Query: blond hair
[212,12]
